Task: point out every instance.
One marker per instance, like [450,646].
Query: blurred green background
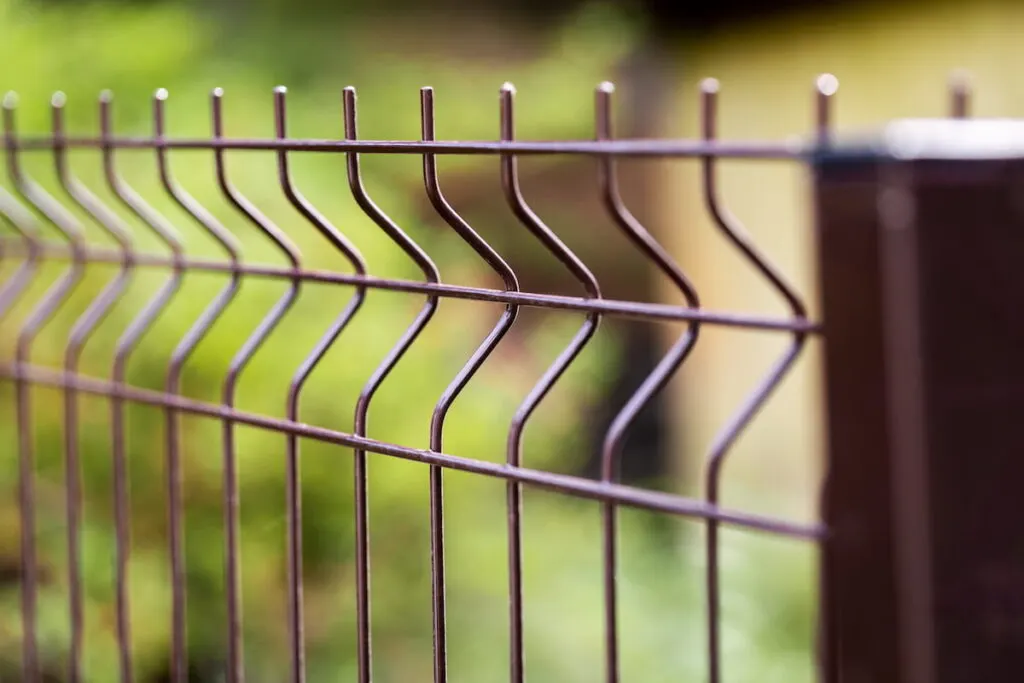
[388,51]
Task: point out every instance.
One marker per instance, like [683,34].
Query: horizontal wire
[615,307]
[576,486]
[793,149]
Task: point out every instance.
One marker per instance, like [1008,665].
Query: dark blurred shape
[645,456]
[11,573]
[207,671]
[664,20]
[668,19]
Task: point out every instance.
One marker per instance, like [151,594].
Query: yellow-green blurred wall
[890,63]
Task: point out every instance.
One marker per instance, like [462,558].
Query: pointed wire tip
[161,94]
[217,92]
[508,89]
[10,100]
[827,84]
[710,86]
[606,87]
[106,96]
[58,100]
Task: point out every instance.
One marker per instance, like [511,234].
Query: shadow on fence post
[921,269]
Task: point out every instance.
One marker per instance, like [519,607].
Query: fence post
[921,271]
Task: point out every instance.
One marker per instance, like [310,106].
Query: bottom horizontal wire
[576,486]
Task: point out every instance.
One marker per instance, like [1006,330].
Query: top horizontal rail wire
[794,149]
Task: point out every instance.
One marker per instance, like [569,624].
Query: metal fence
[904,295]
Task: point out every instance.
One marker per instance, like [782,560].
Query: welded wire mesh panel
[93,269]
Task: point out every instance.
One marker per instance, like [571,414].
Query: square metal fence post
[921,270]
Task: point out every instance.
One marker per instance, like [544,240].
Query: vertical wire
[125,346]
[37,318]
[82,329]
[723,441]
[376,379]
[172,385]
[825,87]
[293,493]
[514,457]
[462,378]
[652,384]
[232,567]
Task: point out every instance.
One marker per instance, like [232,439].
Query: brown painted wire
[82,329]
[663,372]
[31,249]
[496,263]
[579,270]
[636,310]
[769,151]
[172,385]
[43,311]
[293,493]
[273,318]
[391,359]
[756,399]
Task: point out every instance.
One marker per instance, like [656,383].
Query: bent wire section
[172,385]
[82,329]
[43,311]
[124,347]
[15,215]
[376,379]
[297,668]
[233,597]
[756,399]
[496,263]
[551,242]
[655,381]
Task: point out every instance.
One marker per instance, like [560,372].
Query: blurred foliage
[134,47]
